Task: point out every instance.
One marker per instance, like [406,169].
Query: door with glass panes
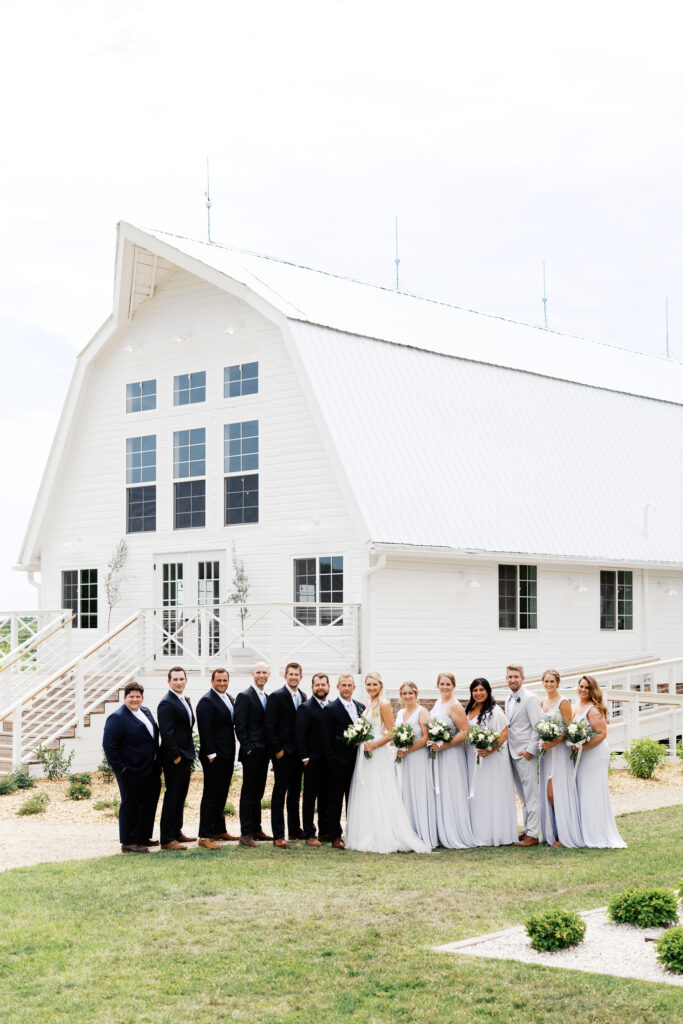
[188,589]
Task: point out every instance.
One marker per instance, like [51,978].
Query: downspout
[366,646]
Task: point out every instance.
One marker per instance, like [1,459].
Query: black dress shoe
[133,848]
[324,837]
[148,842]
[296,835]
[261,837]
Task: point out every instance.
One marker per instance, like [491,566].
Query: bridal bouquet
[550,729]
[402,737]
[577,734]
[482,738]
[359,733]
[439,732]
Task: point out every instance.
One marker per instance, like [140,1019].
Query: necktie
[297,699]
[263,699]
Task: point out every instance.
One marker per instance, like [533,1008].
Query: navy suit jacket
[175,728]
[215,725]
[249,716]
[279,721]
[336,720]
[127,743]
[308,727]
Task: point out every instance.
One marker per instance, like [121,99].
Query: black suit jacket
[127,743]
[308,729]
[175,728]
[215,726]
[336,719]
[280,719]
[249,728]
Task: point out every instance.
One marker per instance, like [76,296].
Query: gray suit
[523,711]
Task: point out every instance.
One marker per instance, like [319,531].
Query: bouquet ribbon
[436,775]
[552,765]
[361,766]
[576,763]
[474,777]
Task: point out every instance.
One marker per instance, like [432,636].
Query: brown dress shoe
[521,836]
[262,837]
[226,837]
[208,844]
[174,845]
[182,838]
[247,841]
[313,842]
[134,848]
[148,842]
[528,841]
[338,844]
[281,844]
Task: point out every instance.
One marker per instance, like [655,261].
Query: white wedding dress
[377,821]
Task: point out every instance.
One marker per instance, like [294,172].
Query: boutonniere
[517,700]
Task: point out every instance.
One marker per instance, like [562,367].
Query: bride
[377,821]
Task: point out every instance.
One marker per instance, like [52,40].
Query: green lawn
[316,935]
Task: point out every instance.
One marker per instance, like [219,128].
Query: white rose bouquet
[577,734]
[481,738]
[359,733]
[403,737]
[550,729]
[439,732]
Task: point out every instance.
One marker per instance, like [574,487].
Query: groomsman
[131,746]
[280,716]
[176,721]
[250,707]
[341,758]
[310,745]
[523,711]
[215,717]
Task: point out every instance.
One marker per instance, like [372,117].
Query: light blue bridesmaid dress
[595,806]
[493,808]
[415,777]
[563,822]
[449,769]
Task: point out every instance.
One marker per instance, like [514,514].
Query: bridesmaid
[560,824]
[453,821]
[493,808]
[414,771]
[595,807]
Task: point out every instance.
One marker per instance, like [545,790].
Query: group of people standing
[417,798]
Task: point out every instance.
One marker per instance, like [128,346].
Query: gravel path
[607,948]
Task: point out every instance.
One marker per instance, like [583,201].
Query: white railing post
[16,737]
[80,695]
[13,632]
[672,734]
[142,637]
[275,642]
[203,638]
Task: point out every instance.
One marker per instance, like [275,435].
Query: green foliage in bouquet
[644,908]
[555,929]
[670,950]
[35,804]
[643,756]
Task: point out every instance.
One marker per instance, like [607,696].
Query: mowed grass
[317,935]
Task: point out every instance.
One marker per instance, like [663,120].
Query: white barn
[447,490]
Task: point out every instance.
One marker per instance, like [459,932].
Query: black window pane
[142,509]
[625,599]
[241,499]
[608,599]
[190,504]
[507,596]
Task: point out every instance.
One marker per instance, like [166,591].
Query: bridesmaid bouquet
[577,734]
[358,733]
[402,736]
[439,732]
[482,738]
[550,729]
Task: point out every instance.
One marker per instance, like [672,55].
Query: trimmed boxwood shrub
[670,950]
[644,908]
[555,929]
[643,756]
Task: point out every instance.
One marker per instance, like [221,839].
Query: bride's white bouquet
[550,729]
[358,733]
[439,732]
[403,737]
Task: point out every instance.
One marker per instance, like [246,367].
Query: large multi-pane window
[141,468]
[189,388]
[240,463]
[79,594]
[517,597]
[616,599]
[241,379]
[141,395]
[189,461]
[319,581]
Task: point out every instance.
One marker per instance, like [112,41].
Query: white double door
[188,590]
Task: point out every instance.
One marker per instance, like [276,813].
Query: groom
[523,711]
[341,757]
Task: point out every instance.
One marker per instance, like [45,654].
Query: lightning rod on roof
[545,300]
[396,259]
[666,313]
[208,203]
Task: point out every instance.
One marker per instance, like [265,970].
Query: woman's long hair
[595,694]
[489,703]
[374,705]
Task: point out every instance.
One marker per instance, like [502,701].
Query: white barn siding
[87,514]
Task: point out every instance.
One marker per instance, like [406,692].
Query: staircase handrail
[35,641]
[68,667]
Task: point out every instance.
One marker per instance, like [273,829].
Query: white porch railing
[202,636]
[39,654]
[48,707]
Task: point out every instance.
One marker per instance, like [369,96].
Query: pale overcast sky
[500,134]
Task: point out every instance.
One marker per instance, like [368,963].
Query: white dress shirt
[143,718]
